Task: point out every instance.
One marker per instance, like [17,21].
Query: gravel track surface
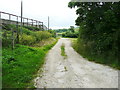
[74,71]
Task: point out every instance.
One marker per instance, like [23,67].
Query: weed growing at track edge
[63,51]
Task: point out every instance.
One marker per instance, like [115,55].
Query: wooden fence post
[32,22]
[27,21]
[42,26]
[12,32]
[36,24]
[17,41]
[39,25]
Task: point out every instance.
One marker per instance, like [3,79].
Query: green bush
[27,39]
[6,37]
[70,34]
[99,31]
[53,32]
[7,26]
[103,49]
[31,28]
[40,35]
[25,31]
[28,36]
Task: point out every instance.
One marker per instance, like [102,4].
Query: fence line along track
[13,36]
[26,21]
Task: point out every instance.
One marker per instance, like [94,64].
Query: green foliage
[63,50]
[6,37]
[26,31]
[40,35]
[32,37]
[61,30]
[22,63]
[99,30]
[20,66]
[8,26]
[31,28]
[7,34]
[86,51]
[70,33]
[72,29]
[53,32]
[27,39]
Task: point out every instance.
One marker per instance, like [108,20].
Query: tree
[72,29]
[99,26]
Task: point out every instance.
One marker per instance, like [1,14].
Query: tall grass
[32,37]
[20,66]
[41,35]
[28,37]
[86,52]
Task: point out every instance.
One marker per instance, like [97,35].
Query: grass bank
[21,64]
[85,52]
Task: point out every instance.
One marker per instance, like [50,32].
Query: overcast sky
[60,15]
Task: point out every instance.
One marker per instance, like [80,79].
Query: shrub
[26,31]
[40,35]
[31,28]
[6,38]
[53,33]
[28,36]
[27,39]
[70,34]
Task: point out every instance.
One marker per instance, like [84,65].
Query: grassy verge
[63,51]
[44,42]
[102,59]
[20,66]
